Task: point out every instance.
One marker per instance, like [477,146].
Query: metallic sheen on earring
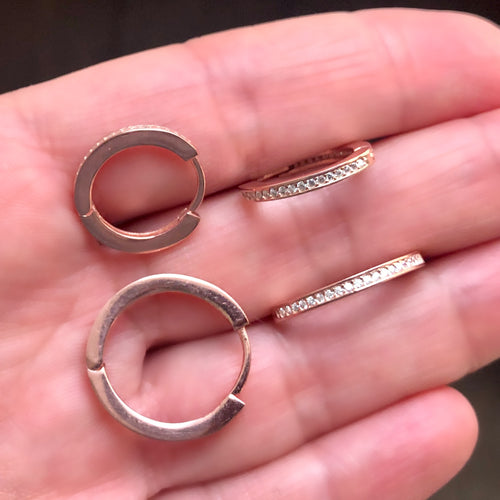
[378,274]
[106,233]
[96,369]
[322,170]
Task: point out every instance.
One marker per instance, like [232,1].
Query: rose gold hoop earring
[96,369]
[378,274]
[310,174]
[106,233]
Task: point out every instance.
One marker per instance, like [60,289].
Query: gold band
[310,174]
[373,276]
[126,241]
[213,421]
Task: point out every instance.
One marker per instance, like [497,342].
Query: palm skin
[347,401]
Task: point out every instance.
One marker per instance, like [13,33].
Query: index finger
[255,98]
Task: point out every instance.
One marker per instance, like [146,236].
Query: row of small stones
[131,128]
[349,286]
[307,184]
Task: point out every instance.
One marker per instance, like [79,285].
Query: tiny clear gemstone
[398,266]
[292,189]
[258,195]
[288,310]
[367,279]
[375,275]
[321,179]
[281,312]
[338,291]
[357,282]
[360,163]
[311,301]
[348,286]
[329,294]
[320,298]
[273,193]
[302,187]
[392,268]
[295,307]
[311,183]
[282,191]
[302,305]
[265,195]
[384,272]
[330,177]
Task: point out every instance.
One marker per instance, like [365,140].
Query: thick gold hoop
[213,421]
[127,241]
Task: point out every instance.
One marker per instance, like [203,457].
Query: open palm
[346,401]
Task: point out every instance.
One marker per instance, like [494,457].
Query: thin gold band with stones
[373,276]
[320,171]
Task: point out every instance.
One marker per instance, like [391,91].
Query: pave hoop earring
[313,173]
[127,241]
[353,284]
[213,421]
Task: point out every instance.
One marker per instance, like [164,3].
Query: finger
[337,365]
[50,212]
[406,451]
[257,98]
[358,357]
[434,190]
[442,199]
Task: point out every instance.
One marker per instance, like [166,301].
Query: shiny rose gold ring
[317,172]
[378,274]
[106,233]
[96,369]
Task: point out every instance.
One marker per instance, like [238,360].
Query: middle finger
[433,190]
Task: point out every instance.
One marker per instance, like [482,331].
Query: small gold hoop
[353,284]
[317,172]
[127,241]
[213,421]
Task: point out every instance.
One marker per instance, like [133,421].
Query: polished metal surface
[127,241]
[213,421]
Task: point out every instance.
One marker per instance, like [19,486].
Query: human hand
[347,401]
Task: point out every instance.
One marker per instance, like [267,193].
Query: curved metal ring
[313,173]
[96,369]
[353,284]
[127,241]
